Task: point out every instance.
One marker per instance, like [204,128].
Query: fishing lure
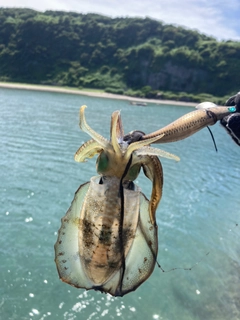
[108,239]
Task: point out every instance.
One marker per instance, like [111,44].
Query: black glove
[234,101]
[232,122]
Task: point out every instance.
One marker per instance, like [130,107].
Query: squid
[108,239]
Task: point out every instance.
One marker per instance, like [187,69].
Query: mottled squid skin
[108,237]
[99,244]
[89,251]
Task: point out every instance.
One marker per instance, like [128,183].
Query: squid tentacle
[153,170]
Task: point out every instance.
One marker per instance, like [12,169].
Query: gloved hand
[232,122]
[234,101]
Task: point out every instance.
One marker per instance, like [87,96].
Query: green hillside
[134,56]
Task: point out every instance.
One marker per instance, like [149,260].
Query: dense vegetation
[134,56]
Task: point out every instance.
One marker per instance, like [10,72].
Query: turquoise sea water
[198,217]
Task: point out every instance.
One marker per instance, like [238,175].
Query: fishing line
[236,225]
[212,138]
[183,268]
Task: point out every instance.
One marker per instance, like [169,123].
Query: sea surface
[198,217]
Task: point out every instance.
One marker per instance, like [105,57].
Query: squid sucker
[108,239]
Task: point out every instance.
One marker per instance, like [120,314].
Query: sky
[217,18]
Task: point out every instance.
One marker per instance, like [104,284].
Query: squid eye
[102,162]
[133,172]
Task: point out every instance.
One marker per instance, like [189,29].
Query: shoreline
[36,87]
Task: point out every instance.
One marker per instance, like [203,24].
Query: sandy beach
[105,95]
